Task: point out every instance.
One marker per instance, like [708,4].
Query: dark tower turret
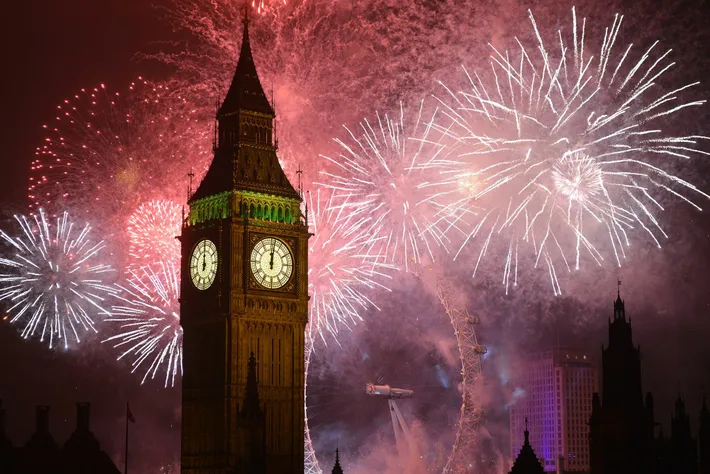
[621,426]
[337,469]
[596,437]
[251,424]
[250,407]
[619,327]
[683,445]
[527,462]
[621,362]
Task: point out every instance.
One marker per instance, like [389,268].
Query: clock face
[271,263]
[203,264]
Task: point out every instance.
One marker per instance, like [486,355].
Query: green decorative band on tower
[267,207]
[245,204]
[209,208]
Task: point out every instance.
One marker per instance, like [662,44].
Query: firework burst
[295,41]
[338,274]
[53,284]
[568,151]
[152,231]
[109,150]
[388,180]
[147,315]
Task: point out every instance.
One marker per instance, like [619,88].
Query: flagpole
[125,459]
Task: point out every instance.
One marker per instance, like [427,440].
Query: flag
[129,415]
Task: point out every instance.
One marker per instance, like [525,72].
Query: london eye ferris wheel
[454,386]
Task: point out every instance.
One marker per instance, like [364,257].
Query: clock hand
[204,255]
[271,262]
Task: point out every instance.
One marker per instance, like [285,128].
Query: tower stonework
[244,298]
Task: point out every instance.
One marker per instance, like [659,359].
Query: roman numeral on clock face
[203,264]
[271,263]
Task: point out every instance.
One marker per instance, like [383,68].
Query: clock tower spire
[244,297]
[245,151]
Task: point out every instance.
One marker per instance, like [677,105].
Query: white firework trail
[388,177]
[339,274]
[152,229]
[52,279]
[559,146]
[148,317]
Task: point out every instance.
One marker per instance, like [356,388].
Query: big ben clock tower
[244,298]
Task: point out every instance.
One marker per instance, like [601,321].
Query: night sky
[52,49]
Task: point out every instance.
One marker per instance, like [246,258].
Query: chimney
[42,419]
[83,416]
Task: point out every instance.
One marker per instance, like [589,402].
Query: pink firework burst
[152,231]
[107,150]
[294,43]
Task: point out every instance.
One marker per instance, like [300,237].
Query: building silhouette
[683,445]
[621,439]
[704,440]
[244,297]
[662,454]
[337,469]
[622,426]
[527,461]
[558,385]
[81,454]
[677,453]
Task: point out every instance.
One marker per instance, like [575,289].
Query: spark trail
[567,150]
[152,231]
[147,317]
[339,275]
[52,279]
[388,178]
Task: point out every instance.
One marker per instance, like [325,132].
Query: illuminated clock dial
[203,264]
[271,263]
